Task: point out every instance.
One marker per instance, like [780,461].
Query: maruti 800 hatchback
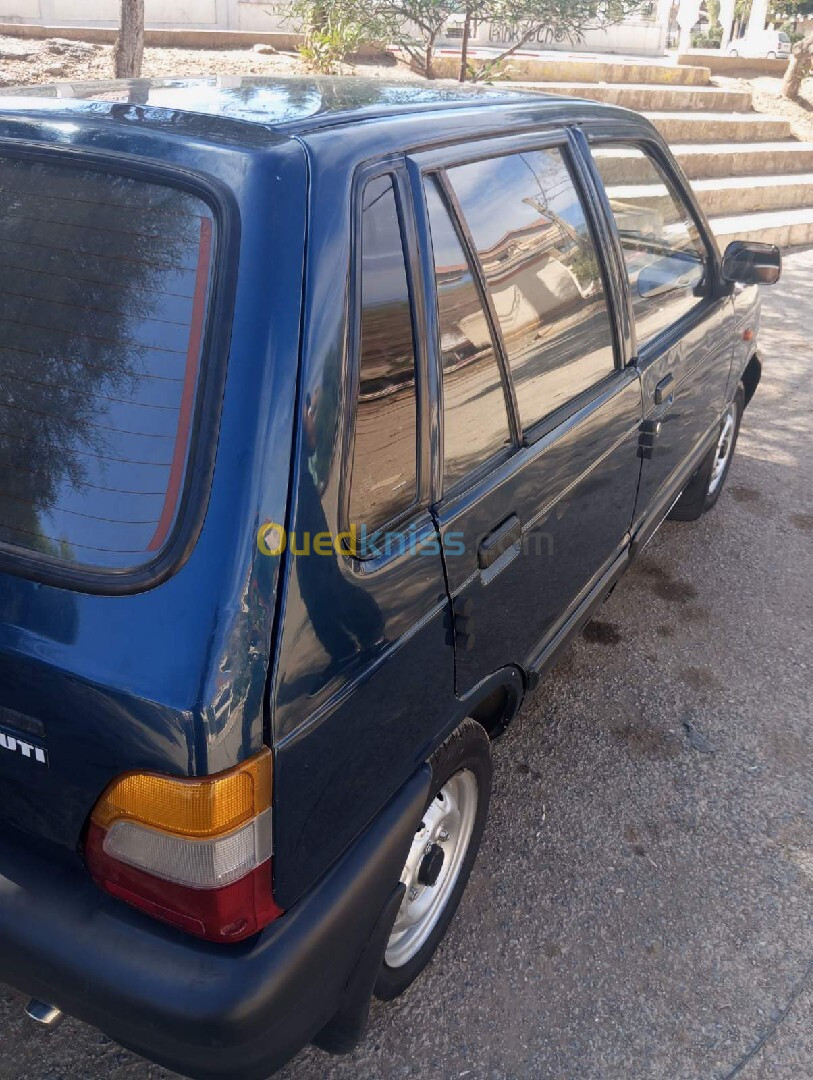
[329,411]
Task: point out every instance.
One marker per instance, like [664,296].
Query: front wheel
[703,490]
[771,55]
[441,856]
[733,52]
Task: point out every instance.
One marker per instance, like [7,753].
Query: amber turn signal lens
[195,807]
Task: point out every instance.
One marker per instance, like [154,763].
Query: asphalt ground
[642,906]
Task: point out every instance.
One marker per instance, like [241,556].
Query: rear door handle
[664,391]
[499,541]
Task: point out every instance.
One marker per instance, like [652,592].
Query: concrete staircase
[752,178]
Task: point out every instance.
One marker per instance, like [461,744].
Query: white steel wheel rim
[725,447]
[447,822]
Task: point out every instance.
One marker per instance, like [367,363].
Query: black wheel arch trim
[751,376]
[511,680]
[203,1009]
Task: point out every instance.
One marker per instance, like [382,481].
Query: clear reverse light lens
[199,864]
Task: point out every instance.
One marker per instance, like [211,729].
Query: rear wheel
[441,856]
[772,55]
[733,52]
[703,490]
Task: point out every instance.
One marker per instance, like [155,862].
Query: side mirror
[751,263]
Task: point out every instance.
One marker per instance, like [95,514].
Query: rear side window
[541,268]
[384,477]
[104,288]
[475,419]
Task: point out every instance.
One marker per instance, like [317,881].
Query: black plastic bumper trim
[208,1011]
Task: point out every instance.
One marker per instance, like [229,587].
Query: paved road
[642,905]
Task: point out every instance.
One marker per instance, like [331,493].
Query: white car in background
[770,44]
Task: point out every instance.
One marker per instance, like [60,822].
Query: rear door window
[104,289]
[542,272]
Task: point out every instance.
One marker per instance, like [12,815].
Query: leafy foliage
[334,29]
[416,26]
[547,21]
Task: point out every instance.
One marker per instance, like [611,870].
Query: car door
[364,679]
[681,321]
[536,463]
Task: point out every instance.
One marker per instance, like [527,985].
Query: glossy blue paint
[171,677]
[232,648]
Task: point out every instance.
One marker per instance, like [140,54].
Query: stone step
[698,127]
[744,159]
[643,96]
[556,68]
[787,228]
[724,196]
[717,160]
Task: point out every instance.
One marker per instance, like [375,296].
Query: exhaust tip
[42,1013]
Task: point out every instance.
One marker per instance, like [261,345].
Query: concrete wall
[249,15]
[734,66]
[639,36]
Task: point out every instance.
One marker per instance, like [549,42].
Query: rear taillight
[193,852]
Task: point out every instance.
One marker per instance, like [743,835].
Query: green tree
[334,29]
[416,25]
[545,22]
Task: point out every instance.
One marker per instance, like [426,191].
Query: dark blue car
[329,411]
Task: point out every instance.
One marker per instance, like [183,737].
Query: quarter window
[475,420]
[541,269]
[664,255]
[384,476]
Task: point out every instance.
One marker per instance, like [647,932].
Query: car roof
[286,106]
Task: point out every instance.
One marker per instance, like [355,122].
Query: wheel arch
[496,700]
[751,376]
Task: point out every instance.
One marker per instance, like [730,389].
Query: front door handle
[664,391]
[499,541]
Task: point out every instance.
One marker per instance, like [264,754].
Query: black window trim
[650,144]
[441,492]
[413,514]
[203,440]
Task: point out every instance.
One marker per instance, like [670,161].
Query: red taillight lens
[193,852]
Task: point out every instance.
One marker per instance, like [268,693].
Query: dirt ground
[54,59]
[767,98]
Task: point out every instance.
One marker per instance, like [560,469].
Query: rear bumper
[207,1010]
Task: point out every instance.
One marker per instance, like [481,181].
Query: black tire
[699,496]
[771,55]
[733,52]
[467,750]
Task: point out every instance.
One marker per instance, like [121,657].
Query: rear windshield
[104,283]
